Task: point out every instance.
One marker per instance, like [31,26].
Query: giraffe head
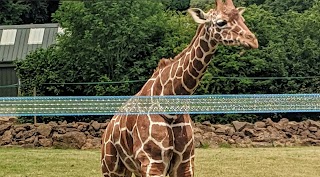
[225,24]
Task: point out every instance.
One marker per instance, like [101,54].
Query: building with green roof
[16,41]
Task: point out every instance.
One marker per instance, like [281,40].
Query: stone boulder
[259,124]
[6,138]
[45,142]
[19,128]
[30,140]
[95,125]
[94,143]
[317,134]
[8,119]
[61,129]
[221,130]
[69,140]
[44,129]
[207,123]
[268,122]
[29,133]
[239,126]
[5,127]
[313,129]
[198,140]
[313,123]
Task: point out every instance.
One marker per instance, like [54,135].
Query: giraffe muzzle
[250,41]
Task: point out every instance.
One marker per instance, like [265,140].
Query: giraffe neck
[195,61]
[181,75]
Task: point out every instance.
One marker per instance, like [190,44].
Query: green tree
[177,5]
[278,7]
[281,7]
[115,42]
[40,67]
[39,11]
[107,41]
[11,12]
[25,12]
[302,49]
[202,4]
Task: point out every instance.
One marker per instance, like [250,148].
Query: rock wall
[265,133]
[78,135]
[82,135]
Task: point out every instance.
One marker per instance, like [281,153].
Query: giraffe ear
[241,10]
[198,15]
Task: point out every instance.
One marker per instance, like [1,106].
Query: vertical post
[19,87]
[34,94]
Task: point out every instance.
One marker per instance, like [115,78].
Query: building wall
[8,79]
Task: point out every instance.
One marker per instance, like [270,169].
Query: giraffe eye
[221,23]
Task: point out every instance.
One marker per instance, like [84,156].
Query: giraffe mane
[163,63]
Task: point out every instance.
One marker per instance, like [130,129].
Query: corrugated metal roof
[20,48]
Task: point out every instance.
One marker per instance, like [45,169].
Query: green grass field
[222,162]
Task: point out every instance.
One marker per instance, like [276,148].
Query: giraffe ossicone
[160,145]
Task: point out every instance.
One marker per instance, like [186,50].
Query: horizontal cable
[136,81]
[9,86]
[267,78]
[95,83]
[132,105]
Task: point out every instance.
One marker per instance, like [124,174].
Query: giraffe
[159,145]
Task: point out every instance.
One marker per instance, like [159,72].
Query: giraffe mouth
[246,45]
[252,44]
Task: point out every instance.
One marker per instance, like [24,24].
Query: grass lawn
[222,162]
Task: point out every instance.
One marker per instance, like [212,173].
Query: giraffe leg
[111,164]
[153,146]
[183,168]
[183,156]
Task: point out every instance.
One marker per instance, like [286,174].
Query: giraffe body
[139,149]
[160,145]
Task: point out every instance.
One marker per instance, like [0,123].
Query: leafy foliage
[178,5]
[202,4]
[38,68]
[25,11]
[11,12]
[113,41]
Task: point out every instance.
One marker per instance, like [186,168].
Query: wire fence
[177,104]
